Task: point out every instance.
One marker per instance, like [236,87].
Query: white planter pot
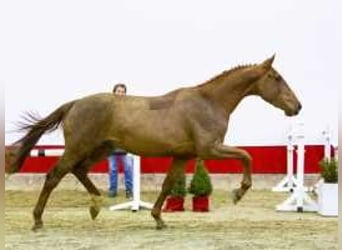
[328,199]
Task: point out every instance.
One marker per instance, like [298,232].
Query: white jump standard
[327,135]
[299,200]
[289,182]
[136,203]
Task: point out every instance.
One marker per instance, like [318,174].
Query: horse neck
[227,90]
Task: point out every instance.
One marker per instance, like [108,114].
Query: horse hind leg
[51,181]
[176,171]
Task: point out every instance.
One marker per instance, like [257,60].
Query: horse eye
[277,77]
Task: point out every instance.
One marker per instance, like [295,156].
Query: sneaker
[112,194]
[129,195]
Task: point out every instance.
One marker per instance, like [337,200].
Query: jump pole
[46,152]
[135,204]
[299,200]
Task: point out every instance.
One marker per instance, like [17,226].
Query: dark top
[118,151]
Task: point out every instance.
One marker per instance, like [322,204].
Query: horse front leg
[223,151]
[176,171]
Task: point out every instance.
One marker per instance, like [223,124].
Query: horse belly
[158,144]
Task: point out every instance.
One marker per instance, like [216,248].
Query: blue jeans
[127,161]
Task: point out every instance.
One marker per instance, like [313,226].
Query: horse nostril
[299,107]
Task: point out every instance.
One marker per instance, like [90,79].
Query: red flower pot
[174,204]
[200,203]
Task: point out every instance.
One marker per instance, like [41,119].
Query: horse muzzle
[295,111]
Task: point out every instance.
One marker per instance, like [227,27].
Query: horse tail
[36,127]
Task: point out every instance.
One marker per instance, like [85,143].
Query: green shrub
[329,170]
[200,184]
[179,189]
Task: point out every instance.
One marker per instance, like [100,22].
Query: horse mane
[168,99]
[224,74]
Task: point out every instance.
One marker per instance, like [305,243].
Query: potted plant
[175,200]
[328,188]
[200,187]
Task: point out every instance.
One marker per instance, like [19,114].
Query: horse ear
[260,69]
[267,64]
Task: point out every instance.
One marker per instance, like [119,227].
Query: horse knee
[247,159]
[53,178]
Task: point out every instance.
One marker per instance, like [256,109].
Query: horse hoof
[161,226]
[94,211]
[37,227]
[236,196]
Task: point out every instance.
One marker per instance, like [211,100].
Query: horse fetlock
[245,185]
[37,215]
[155,214]
[236,195]
[95,201]
[37,226]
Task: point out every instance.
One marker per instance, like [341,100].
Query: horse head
[272,87]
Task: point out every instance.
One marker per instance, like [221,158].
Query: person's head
[119,89]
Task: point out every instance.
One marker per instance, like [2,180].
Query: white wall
[57,51]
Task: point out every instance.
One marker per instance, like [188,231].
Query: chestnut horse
[185,123]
